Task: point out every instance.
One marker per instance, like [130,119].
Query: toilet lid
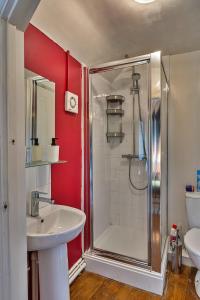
[192,240]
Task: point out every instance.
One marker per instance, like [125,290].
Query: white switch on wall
[71,102]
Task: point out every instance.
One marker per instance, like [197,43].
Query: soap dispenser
[36,150]
[53,151]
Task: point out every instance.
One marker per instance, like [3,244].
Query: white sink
[57,224]
[48,234]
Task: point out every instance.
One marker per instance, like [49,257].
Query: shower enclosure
[128,161]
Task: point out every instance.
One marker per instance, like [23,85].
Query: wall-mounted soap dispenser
[53,151]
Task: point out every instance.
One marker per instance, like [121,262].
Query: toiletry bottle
[189,188]
[173,232]
[53,151]
[36,150]
[173,236]
[198,180]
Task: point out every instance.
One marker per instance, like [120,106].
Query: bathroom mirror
[40,112]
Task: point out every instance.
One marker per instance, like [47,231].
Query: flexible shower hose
[143,141]
[133,185]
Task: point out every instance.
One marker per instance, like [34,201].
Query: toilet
[192,237]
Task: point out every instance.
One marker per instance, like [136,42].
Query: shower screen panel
[164,158]
[120,163]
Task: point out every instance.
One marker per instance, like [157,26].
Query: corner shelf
[114,108]
[115,111]
[115,134]
[43,163]
[115,98]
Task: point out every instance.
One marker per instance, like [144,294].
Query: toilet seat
[192,241]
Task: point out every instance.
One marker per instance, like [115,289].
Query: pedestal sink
[48,234]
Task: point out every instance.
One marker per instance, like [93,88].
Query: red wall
[47,59]
[66,179]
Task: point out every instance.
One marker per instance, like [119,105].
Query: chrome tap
[35,199]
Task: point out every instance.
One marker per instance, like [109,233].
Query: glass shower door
[120,163]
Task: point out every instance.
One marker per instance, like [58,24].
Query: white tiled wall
[115,201]
[128,207]
[38,179]
[101,159]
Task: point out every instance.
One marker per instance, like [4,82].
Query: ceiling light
[144,1]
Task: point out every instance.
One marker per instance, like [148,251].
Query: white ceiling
[97,31]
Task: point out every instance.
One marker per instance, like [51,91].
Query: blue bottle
[198,180]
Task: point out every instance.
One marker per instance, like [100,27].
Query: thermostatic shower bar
[131,156]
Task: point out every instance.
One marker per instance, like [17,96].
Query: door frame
[14,18]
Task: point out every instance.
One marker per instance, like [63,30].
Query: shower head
[135,88]
[136,76]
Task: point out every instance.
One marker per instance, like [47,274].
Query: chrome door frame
[153,214]
[155,168]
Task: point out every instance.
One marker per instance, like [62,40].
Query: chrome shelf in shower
[115,134]
[119,135]
[115,98]
[115,111]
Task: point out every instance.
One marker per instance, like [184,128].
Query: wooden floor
[92,286]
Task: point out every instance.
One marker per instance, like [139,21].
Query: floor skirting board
[76,269]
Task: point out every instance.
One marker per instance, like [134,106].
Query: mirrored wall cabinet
[41,147]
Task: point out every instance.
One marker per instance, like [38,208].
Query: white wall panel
[184,131]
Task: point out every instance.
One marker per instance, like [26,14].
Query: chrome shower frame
[154,168]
